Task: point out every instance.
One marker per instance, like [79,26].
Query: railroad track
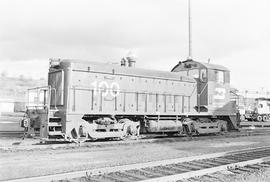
[168,170]
[233,174]
[15,134]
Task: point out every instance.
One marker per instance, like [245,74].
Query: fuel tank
[163,126]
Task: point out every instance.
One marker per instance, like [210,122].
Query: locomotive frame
[88,101]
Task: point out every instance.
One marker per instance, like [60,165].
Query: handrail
[199,97]
[49,97]
[37,89]
[44,88]
[54,97]
[127,91]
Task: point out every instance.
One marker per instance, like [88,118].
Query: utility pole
[189,32]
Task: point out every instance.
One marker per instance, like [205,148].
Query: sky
[235,34]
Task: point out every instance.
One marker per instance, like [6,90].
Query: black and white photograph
[134,90]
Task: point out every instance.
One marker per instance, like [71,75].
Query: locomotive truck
[89,100]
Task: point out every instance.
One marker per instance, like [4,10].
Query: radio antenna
[189,32]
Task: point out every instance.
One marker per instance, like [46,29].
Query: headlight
[25,123]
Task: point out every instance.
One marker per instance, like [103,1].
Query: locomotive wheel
[224,127]
[188,127]
[259,118]
[264,118]
[130,127]
[242,118]
[79,136]
[82,139]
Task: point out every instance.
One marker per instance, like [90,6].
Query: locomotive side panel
[106,93]
[104,90]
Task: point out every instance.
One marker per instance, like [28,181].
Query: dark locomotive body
[86,100]
[213,90]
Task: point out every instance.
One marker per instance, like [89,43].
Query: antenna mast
[189,32]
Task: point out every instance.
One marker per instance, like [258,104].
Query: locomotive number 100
[107,89]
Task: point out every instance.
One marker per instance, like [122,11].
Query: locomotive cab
[213,84]
[213,89]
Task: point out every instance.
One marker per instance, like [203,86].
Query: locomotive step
[54,124]
[54,119]
[55,133]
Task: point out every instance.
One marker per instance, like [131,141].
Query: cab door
[202,87]
[202,90]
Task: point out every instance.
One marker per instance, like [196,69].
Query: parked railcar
[260,112]
[86,100]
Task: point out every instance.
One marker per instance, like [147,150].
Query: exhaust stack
[129,60]
[189,32]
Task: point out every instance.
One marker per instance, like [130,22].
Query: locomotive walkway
[33,144]
[170,170]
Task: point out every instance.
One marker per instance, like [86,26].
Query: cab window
[183,73]
[203,75]
[219,76]
[194,73]
[227,77]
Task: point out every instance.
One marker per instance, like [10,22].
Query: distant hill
[16,88]
[13,99]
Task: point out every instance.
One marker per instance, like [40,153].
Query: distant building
[13,92]
[247,99]
[6,105]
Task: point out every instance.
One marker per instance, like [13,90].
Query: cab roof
[189,64]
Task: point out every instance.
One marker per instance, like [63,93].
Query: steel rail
[202,172]
[259,155]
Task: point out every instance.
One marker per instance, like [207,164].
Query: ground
[259,176]
[26,158]
[262,175]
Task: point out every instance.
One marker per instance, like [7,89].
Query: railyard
[94,115]
[28,159]
[183,129]
[176,137]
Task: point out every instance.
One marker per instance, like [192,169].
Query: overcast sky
[233,33]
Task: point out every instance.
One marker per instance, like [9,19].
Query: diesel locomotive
[89,100]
